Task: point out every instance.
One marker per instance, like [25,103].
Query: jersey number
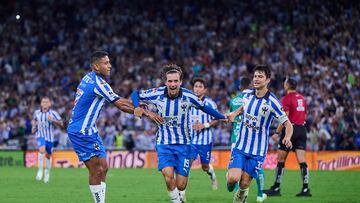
[300,105]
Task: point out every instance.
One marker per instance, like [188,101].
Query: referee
[294,105]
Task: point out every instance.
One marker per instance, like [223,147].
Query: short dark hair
[292,83]
[199,79]
[172,68]
[245,83]
[45,97]
[263,68]
[97,55]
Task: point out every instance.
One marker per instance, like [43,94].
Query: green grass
[147,185]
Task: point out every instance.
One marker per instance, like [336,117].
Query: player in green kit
[235,103]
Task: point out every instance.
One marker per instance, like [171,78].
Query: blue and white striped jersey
[203,137]
[44,127]
[91,94]
[176,112]
[256,119]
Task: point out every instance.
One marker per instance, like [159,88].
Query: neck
[290,91]
[201,97]
[44,110]
[261,92]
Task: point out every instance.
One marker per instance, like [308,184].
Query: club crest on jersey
[183,107]
[96,146]
[264,109]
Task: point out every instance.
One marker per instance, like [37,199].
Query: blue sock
[260,183]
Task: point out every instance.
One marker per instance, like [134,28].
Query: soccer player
[174,104]
[92,92]
[295,107]
[43,123]
[235,103]
[202,123]
[260,107]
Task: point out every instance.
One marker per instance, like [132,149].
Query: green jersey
[235,103]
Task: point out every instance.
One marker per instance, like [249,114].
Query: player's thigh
[165,157]
[299,135]
[234,175]
[253,165]
[245,180]
[41,144]
[205,154]
[182,158]
[282,155]
[300,155]
[48,148]
[87,146]
[93,164]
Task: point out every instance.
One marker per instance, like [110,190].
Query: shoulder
[187,93]
[210,101]
[37,111]
[273,99]
[153,91]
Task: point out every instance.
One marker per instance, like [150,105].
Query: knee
[105,169]
[232,179]
[97,171]
[169,178]
[205,167]
[181,185]
[244,184]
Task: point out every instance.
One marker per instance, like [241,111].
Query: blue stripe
[167,113]
[149,98]
[162,133]
[183,127]
[267,125]
[245,138]
[176,109]
[250,105]
[238,137]
[203,131]
[88,126]
[256,113]
[260,136]
[275,108]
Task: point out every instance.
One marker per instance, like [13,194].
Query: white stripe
[87,117]
[108,96]
[97,112]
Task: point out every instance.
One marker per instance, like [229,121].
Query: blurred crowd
[46,46]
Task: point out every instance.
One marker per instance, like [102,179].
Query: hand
[153,116]
[138,111]
[198,126]
[231,116]
[143,105]
[275,136]
[287,142]
[50,118]
[33,129]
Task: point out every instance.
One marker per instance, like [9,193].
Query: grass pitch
[146,185]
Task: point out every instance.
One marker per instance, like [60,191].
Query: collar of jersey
[166,93]
[266,96]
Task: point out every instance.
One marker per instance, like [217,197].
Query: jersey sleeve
[103,89]
[278,110]
[150,95]
[34,116]
[194,100]
[56,115]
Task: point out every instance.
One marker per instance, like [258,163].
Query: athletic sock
[260,183]
[304,174]
[96,191]
[174,196]
[279,173]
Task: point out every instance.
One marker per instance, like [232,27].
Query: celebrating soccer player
[258,111]
[91,95]
[235,103]
[43,123]
[202,123]
[174,104]
[295,107]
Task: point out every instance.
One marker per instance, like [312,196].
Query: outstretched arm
[234,114]
[209,110]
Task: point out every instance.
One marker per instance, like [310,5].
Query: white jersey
[44,127]
[256,119]
[203,137]
[176,112]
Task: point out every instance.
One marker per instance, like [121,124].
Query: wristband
[207,125]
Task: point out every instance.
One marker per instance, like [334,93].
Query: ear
[95,67]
